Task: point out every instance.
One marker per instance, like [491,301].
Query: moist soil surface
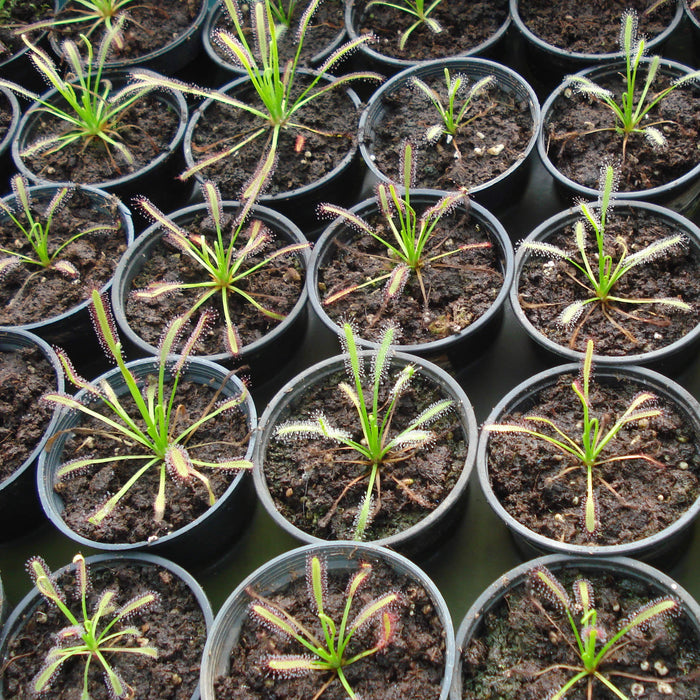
[498,130]
[580,137]
[150,25]
[303,156]
[146,129]
[545,289]
[25,375]
[224,437]
[635,498]
[524,634]
[307,477]
[327,24]
[278,286]
[174,625]
[21,12]
[29,293]
[465,25]
[590,27]
[411,667]
[460,288]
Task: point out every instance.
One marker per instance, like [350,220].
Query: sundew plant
[284,97]
[381,444]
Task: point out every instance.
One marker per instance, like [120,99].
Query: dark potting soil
[303,155]
[517,641]
[21,12]
[460,288]
[465,25]
[25,374]
[307,477]
[411,667]
[29,293]
[174,625]
[580,137]
[146,129]
[498,131]
[278,286]
[635,498]
[132,521]
[150,25]
[590,27]
[545,289]
[326,24]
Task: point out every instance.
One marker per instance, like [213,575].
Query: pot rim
[628,568]
[463,65]
[658,192]
[283,196]
[318,372]
[151,236]
[51,502]
[395,63]
[6,141]
[24,338]
[340,548]
[216,10]
[433,347]
[582,57]
[662,385]
[173,99]
[554,224]
[123,213]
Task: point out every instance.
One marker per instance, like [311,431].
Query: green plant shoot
[87,17]
[602,272]
[87,106]
[593,645]
[36,231]
[330,652]
[161,442]
[587,450]
[452,116]
[411,232]
[630,110]
[379,445]
[96,636]
[417,9]
[277,86]
[224,261]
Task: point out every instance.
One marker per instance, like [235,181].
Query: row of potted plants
[382,442]
[369,623]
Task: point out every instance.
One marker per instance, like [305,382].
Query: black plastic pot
[170,570]
[168,59]
[669,359]
[156,180]
[626,569]
[204,539]
[373,59]
[264,356]
[506,187]
[339,185]
[226,69]
[426,535]
[681,194]
[694,22]
[12,105]
[549,64]
[662,548]
[457,349]
[20,511]
[72,330]
[276,575]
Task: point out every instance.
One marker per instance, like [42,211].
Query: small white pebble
[479,135]
[658,336]
[479,151]
[682,465]
[660,668]
[660,497]
[637,690]
[495,150]
[664,688]
[644,665]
